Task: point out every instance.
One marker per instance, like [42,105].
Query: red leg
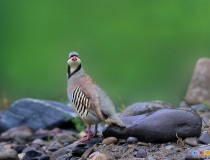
[86,138]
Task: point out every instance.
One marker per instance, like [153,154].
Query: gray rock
[199,87]
[192,141]
[205,138]
[8,154]
[160,126]
[145,107]
[36,114]
[20,134]
[46,134]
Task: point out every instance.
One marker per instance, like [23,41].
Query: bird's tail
[116,121]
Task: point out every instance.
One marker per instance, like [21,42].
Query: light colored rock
[98,156]
[199,87]
[192,141]
[8,153]
[109,140]
[39,141]
[21,155]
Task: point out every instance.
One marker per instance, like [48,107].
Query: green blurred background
[137,50]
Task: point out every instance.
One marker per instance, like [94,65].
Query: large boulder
[163,125]
[199,87]
[36,114]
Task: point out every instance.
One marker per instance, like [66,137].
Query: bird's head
[74,63]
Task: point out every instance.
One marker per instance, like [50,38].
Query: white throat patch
[74,64]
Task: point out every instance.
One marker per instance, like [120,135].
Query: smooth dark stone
[160,126]
[36,114]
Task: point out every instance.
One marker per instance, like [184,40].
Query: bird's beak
[74,58]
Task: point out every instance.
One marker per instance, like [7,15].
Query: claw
[89,134]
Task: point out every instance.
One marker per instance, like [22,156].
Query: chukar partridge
[89,100]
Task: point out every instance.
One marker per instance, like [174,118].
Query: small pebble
[132,140]
[109,140]
[21,155]
[141,153]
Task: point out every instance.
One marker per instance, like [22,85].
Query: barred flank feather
[81,102]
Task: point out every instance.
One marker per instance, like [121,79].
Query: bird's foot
[94,134]
[85,138]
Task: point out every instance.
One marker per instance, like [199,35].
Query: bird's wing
[81,102]
[85,102]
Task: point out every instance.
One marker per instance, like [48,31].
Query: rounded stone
[109,140]
[141,153]
[99,156]
[192,141]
